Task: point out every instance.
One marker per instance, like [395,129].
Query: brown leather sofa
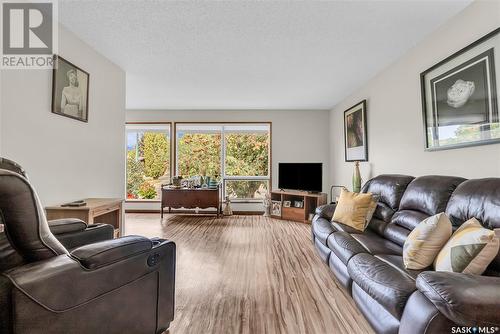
[369,264]
[123,285]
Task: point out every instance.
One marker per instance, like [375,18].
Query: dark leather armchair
[123,285]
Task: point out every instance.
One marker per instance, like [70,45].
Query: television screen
[300,176]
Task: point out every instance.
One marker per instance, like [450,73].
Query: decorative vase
[227,209]
[356,178]
[266,203]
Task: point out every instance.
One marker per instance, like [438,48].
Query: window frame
[225,177]
[145,124]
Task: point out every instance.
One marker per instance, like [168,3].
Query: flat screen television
[300,176]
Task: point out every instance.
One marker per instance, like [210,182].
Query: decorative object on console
[355,134]
[426,241]
[287,204]
[470,249]
[176,181]
[298,204]
[356,178]
[227,209]
[212,184]
[459,97]
[70,90]
[353,209]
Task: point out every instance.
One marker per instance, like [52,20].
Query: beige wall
[66,159]
[395,130]
[298,135]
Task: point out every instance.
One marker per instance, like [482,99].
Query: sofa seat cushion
[344,246]
[322,228]
[397,262]
[385,283]
[375,244]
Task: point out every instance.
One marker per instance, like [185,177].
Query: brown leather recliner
[123,285]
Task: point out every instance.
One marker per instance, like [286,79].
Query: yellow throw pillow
[425,241]
[470,249]
[353,208]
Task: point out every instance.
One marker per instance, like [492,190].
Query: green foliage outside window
[135,172]
[156,154]
[199,153]
[148,165]
[247,154]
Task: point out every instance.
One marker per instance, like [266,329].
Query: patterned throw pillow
[425,241]
[470,249]
[353,209]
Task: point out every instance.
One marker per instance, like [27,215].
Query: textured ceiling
[251,55]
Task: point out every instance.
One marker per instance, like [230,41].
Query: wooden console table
[190,199]
[310,201]
[97,210]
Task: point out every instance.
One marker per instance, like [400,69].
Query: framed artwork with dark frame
[70,90]
[355,134]
[459,97]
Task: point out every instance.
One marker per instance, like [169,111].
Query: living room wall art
[355,135]
[459,97]
[70,87]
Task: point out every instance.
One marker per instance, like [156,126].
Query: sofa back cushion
[390,188]
[425,196]
[480,199]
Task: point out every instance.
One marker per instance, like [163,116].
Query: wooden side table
[97,210]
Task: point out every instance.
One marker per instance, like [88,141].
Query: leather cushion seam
[108,249]
[397,268]
[369,278]
[110,262]
[78,305]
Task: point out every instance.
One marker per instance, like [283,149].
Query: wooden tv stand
[310,200]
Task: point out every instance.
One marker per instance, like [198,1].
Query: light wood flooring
[250,274]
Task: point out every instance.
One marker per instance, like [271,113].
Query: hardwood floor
[250,274]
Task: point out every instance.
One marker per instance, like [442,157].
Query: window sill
[142,201]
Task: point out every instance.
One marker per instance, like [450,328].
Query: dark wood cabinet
[190,199]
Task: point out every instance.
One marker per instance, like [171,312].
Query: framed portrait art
[355,138]
[70,90]
[459,97]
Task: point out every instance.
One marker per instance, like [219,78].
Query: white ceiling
[251,55]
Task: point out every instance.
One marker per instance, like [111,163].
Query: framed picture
[287,204]
[298,204]
[276,208]
[459,97]
[70,90]
[355,137]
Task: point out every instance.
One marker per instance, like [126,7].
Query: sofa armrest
[66,225]
[62,283]
[103,253]
[78,237]
[326,211]
[463,298]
